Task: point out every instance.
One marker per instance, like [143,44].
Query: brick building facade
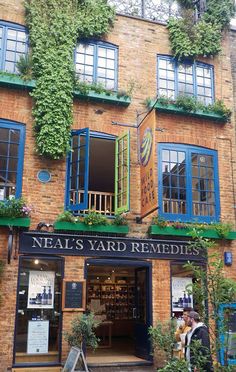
[138,43]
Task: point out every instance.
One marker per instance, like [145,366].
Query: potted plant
[82,331]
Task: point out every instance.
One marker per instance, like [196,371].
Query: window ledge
[105,98]
[172,109]
[20,222]
[121,229]
[15,81]
[169,230]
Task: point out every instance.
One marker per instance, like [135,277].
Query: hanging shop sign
[41,289]
[96,246]
[147,163]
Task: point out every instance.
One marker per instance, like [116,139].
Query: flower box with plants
[213,230]
[93,222]
[186,105]
[14,212]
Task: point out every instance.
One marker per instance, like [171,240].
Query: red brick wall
[139,42]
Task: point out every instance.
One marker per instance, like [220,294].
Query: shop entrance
[119,294]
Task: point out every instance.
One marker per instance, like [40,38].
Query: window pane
[39,298]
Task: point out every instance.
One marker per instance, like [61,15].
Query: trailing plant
[120,220]
[14,208]
[94,218]
[163,337]
[189,38]
[218,107]
[54,27]
[83,331]
[66,216]
[159,221]
[223,229]
[188,103]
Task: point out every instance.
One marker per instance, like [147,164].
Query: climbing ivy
[54,27]
[189,38]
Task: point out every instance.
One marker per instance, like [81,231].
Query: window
[188,183]
[96,62]
[12,137]
[13,45]
[191,79]
[38,317]
[98,173]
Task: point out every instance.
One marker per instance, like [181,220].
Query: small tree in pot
[83,331]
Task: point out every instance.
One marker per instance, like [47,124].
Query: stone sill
[172,109]
[171,231]
[14,81]
[19,222]
[115,229]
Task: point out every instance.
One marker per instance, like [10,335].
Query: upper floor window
[98,173]
[12,138]
[185,78]
[13,44]
[96,62]
[188,183]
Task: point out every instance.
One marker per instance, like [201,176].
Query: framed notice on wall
[74,295]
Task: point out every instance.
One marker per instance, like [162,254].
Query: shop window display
[38,311]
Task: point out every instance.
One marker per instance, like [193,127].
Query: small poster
[41,289]
[180,297]
[38,335]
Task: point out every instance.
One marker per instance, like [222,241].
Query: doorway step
[144,367]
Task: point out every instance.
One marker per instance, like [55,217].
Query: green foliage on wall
[54,27]
[189,38]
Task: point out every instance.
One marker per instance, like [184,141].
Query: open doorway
[118,295]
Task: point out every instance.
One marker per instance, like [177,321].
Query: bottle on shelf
[49,295]
[44,296]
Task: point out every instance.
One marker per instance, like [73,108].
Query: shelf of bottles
[118,299]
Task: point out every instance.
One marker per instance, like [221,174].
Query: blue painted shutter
[78,171]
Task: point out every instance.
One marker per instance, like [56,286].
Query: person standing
[198,335]
[181,332]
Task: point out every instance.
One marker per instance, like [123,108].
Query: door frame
[128,263]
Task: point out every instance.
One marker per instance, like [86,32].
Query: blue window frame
[12,138]
[227,330]
[13,45]
[188,183]
[185,78]
[96,62]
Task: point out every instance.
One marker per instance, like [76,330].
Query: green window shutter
[122,174]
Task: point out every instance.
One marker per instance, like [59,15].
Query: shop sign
[96,246]
[147,163]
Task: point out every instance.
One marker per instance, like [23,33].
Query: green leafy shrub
[83,331]
[159,221]
[175,365]
[66,216]
[94,218]
[120,219]
[219,107]
[189,38]
[24,66]
[14,208]
[188,103]
[163,337]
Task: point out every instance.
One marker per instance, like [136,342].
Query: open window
[98,173]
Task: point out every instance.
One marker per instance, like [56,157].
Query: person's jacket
[201,333]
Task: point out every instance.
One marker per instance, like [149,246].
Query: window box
[19,222]
[115,229]
[17,82]
[172,109]
[170,231]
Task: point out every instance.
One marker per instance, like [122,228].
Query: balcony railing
[179,207]
[155,10]
[100,202]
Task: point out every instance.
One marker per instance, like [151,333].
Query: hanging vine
[190,38]
[55,26]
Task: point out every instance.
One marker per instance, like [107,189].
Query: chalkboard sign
[74,295]
[76,360]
